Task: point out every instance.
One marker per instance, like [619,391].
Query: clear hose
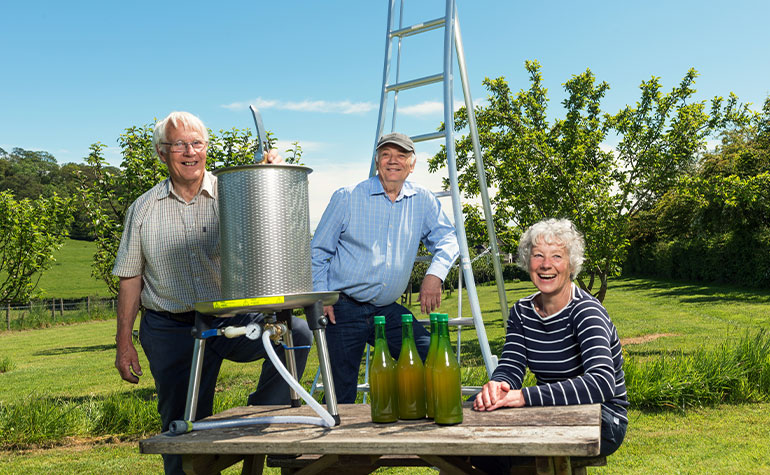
[325,419]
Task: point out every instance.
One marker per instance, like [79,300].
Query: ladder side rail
[456,205]
[398,65]
[383,93]
[488,217]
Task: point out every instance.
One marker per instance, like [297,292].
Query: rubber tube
[326,419]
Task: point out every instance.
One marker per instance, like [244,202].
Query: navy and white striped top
[575,355]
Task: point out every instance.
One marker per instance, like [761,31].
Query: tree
[30,231]
[563,169]
[109,192]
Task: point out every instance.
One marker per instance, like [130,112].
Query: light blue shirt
[365,244]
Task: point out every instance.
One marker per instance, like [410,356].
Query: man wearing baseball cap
[365,246]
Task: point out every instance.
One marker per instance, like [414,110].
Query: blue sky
[74,73]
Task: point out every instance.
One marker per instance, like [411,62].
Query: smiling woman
[564,336]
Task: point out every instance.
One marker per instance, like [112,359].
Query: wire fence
[45,312]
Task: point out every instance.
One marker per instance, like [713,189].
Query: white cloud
[329,107]
[423,109]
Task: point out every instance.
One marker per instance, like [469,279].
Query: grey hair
[553,231]
[180,120]
[377,155]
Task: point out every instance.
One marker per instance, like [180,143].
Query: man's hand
[496,394]
[430,293]
[329,313]
[272,156]
[127,361]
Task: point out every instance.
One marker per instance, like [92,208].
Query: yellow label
[248,302]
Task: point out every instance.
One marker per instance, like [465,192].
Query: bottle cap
[406,318]
[433,317]
[379,319]
[443,317]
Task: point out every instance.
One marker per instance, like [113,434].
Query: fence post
[8,316]
[88,306]
[53,309]
[61,307]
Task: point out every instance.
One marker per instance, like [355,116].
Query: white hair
[553,231]
[180,120]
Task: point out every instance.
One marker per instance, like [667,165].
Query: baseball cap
[395,138]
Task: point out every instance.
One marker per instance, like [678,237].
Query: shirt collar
[208,187]
[375,188]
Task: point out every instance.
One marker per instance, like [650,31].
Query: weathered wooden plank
[492,433]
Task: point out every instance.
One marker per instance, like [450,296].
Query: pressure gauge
[253,331]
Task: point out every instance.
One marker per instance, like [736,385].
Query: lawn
[70,276]
[655,318]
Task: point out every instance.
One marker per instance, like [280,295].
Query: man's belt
[184,317]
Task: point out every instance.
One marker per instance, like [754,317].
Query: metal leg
[317,322]
[291,363]
[193,387]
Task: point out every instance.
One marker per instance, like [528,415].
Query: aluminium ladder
[452,44]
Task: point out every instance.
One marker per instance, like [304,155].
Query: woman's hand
[496,394]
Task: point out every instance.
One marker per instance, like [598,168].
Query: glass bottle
[411,375]
[429,364]
[448,408]
[383,380]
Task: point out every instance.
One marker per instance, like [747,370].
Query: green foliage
[6,364]
[30,231]
[107,197]
[699,229]
[559,169]
[728,374]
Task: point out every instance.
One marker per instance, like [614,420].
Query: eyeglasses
[179,146]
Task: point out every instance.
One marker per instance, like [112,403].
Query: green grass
[73,367]
[70,276]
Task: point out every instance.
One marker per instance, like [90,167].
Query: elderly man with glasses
[167,261]
[364,247]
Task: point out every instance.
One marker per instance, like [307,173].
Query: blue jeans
[354,329]
[168,345]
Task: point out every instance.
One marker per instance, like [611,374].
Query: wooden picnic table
[551,434]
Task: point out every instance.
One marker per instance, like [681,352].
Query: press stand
[317,323]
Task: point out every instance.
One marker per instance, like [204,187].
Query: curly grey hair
[553,231]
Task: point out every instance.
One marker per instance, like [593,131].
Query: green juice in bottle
[411,375]
[383,380]
[447,390]
[429,364]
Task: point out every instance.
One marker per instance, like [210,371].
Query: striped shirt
[575,355]
[174,245]
[365,244]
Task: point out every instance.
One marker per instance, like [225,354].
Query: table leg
[451,465]
[253,464]
[553,466]
[291,364]
[317,322]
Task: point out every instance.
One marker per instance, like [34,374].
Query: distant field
[70,277]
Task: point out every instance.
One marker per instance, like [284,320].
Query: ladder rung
[423,258]
[430,136]
[442,193]
[453,322]
[418,28]
[415,83]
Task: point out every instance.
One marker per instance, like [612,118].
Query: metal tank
[264,230]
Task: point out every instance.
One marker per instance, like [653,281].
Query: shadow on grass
[74,349]
[688,292]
